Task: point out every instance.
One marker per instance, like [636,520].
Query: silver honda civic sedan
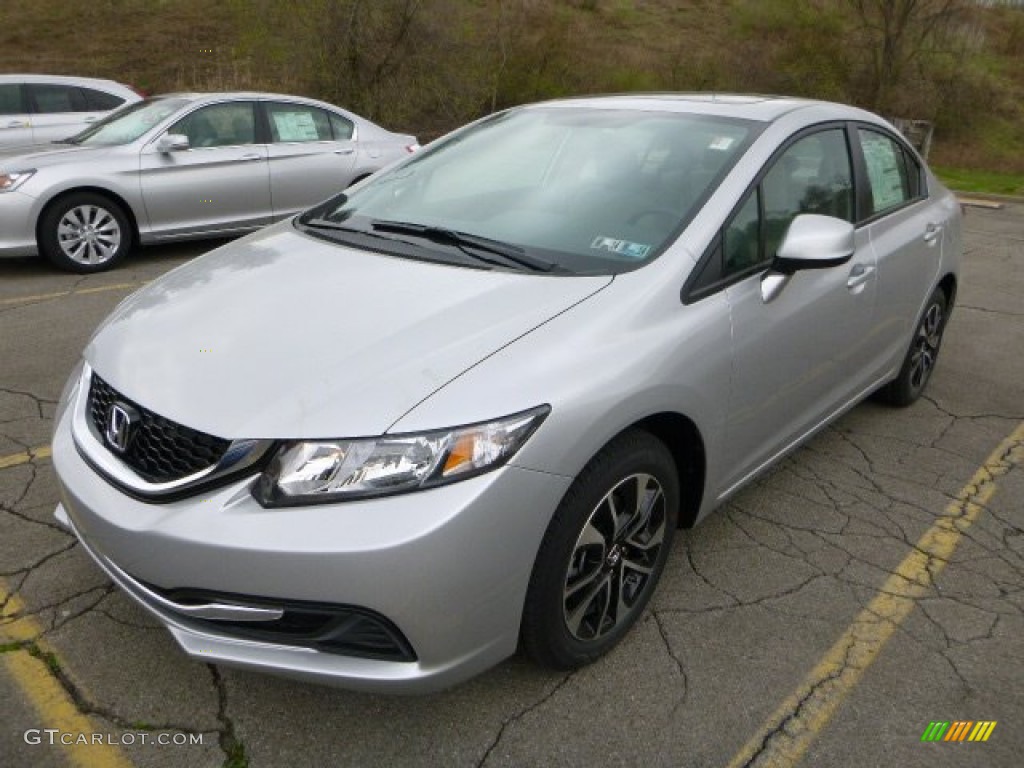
[182,166]
[462,408]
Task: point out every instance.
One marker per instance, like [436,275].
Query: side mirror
[172,142]
[812,242]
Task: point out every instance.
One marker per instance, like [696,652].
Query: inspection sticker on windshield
[721,143]
[621,247]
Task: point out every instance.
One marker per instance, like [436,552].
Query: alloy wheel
[612,563]
[89,234]
[926,346]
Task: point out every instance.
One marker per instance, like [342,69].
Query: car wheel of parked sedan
[921,357]
[603,553]
[84,232]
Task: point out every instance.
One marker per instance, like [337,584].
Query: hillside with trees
[430,65]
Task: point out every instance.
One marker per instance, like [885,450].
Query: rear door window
[54,99]
[893,176]
[297,123]
[343,128]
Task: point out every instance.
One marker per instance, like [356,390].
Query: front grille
[159,450]
[342,629]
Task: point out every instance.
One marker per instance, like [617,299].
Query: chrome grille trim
[239,454]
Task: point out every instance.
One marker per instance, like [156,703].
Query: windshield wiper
[462,241]
[318,223]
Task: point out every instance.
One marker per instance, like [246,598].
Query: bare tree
[898,32]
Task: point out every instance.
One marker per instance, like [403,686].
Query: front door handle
[859,275]
[345,151]
[252,156]
[17,124]
[931,232]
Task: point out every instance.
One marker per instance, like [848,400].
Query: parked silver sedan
[182,166]
[464,406]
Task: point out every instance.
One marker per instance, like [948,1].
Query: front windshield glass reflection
[128,123]
[592,190]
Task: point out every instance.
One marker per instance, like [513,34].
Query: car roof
[198,96]
[62,80]
[758,107]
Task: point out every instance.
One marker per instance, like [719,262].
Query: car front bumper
[17,224]
[448,567]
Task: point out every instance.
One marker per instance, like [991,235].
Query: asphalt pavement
[870,585]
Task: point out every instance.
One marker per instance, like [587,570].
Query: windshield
[128,123]
[587,190]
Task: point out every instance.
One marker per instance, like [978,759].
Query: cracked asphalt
[751,606]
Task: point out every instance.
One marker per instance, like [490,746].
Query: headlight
[13,180]
[313,471]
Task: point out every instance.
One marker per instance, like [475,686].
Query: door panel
[308,161]
[805,352]
[302,174]
[220,184]
[208,189]
[796,358]
[907,241]
[908,262]
[53,127]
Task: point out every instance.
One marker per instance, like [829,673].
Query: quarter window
[219,125]
[741,240]
[297,123]
[343,128]
[98,101]
[893,176]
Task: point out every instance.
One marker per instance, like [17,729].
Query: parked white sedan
[36,109]
[182,166]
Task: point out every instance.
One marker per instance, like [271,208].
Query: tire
[84,233]
[588,585]
[922,355]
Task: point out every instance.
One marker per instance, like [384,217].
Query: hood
[282,335]
[43,155]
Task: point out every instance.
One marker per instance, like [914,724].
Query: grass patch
[236,757]
[8,647]
[47,657]
[967,180]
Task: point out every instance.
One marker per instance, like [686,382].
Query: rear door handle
[931,232]
[859,275]
[345,151]
[16,124]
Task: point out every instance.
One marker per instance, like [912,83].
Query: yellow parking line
[48,697]
[59,294]
[25,457]
[784,738]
